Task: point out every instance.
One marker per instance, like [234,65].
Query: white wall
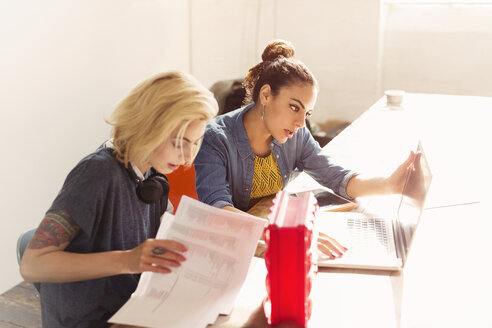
[438,48]
[356,48]
[337,40]
[64,65]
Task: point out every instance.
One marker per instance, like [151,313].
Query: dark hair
[278,69]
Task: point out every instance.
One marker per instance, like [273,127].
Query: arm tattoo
[57,228]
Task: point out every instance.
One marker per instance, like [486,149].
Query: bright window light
[462,2]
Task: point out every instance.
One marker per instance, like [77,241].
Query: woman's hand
[396,181]
[155,255]
[360,185]
[329,247]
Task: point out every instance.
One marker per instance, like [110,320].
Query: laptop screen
[412,202]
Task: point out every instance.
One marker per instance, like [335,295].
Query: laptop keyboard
[362,232]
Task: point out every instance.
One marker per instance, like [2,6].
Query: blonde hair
[153,110]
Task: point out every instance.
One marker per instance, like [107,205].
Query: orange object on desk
[181,182]
[290,259]
[343,207]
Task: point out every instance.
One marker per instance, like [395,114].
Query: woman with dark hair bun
[251,152]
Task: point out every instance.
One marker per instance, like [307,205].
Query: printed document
[221,245]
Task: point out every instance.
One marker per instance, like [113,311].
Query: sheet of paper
[303,182]
[220,246]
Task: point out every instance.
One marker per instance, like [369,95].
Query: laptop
[379,234]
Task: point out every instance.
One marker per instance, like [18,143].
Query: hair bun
[278,48]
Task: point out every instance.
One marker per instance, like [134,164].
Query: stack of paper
[220,246]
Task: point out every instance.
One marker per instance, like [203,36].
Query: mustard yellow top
[266,178]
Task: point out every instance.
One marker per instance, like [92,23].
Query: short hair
[153,110]
[278,69]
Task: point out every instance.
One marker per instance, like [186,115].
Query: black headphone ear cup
[154,189]
[165,185]
[150,191]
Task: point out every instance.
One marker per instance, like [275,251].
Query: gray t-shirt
[100,196]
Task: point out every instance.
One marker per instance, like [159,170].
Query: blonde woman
[97,236]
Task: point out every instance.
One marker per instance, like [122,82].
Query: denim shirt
[225,163]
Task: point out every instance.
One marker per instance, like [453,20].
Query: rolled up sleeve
[320,167]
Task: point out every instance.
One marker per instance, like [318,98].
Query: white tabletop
[446,281]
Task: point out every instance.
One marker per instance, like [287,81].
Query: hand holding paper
[220,247]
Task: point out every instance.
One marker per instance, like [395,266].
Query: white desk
[447,280]
[455,132]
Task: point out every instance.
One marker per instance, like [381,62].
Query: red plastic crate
[290,258]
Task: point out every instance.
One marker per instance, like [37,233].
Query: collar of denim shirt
[241,138]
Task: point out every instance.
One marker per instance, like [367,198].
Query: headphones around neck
[153,189]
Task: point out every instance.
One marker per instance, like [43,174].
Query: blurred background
[64,65]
